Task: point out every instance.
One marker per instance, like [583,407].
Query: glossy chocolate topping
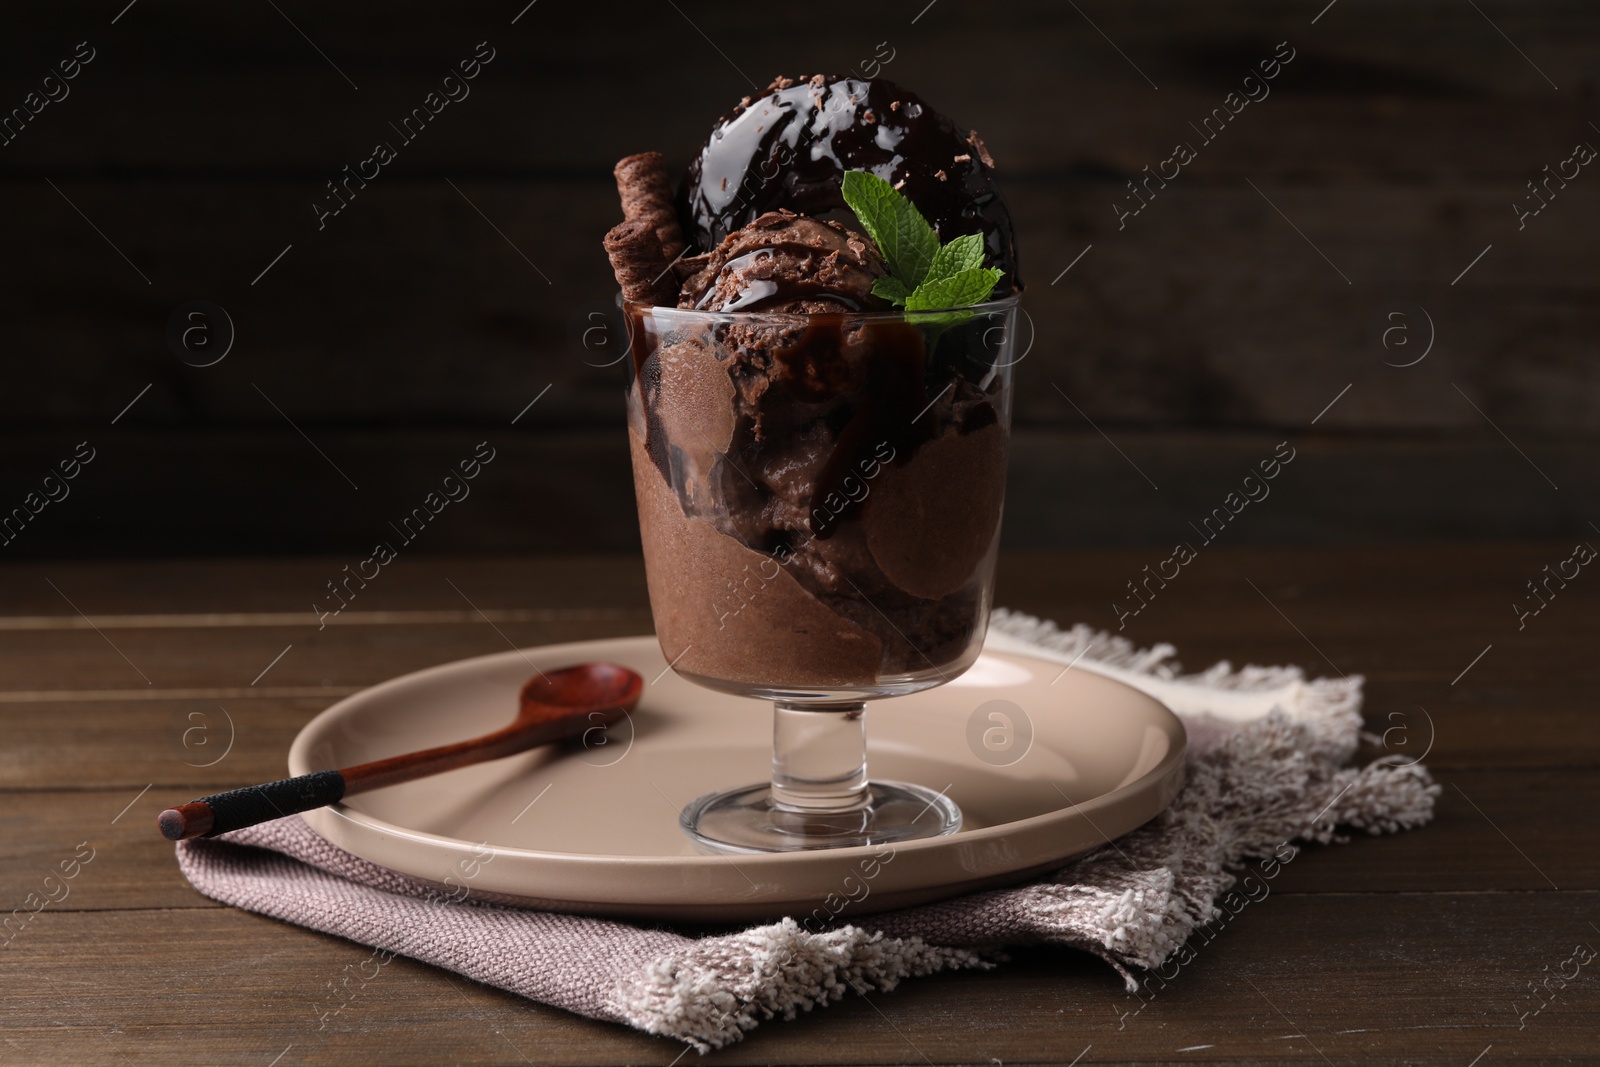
[791,147]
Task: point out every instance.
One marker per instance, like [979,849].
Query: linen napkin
[1266,768]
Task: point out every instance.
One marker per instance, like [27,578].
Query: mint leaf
[891,289]
[923,275]
[961,254]
[904,237]
[971,286]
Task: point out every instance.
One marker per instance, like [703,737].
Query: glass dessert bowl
[820,499]
[819,418]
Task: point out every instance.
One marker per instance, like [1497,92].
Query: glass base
[745,820]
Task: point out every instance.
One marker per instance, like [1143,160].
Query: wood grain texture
[1430,979]
[1207,311]
[1413,949]
[467,277]
[1368,89]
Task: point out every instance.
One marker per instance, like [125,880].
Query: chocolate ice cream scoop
[791,147]
[787,262]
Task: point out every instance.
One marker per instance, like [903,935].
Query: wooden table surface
[1425,947]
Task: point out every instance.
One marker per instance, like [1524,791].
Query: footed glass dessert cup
[819,500]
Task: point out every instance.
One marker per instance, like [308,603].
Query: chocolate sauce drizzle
[791,147]
[889,405]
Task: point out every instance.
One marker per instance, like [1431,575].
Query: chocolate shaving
[646,192]
[979,147]
[641,267]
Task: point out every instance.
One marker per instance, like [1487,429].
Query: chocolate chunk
[982,149]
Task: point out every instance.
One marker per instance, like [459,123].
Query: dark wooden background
[456,287]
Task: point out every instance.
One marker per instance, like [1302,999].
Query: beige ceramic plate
[596,829]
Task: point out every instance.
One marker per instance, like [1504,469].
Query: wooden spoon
[553,706]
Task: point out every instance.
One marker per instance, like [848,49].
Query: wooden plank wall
[457,286]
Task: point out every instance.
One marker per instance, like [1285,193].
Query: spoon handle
[536,724]
[238,808]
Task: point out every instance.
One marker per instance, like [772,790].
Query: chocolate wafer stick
[646,193]
[640,265]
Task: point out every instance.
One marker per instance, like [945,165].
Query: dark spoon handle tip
[238,808]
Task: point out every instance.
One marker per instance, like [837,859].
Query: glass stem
[819,757]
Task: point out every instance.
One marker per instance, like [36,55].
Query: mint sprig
[963,253]
[904,237]
[958,290]
[891,289]
[923,274]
